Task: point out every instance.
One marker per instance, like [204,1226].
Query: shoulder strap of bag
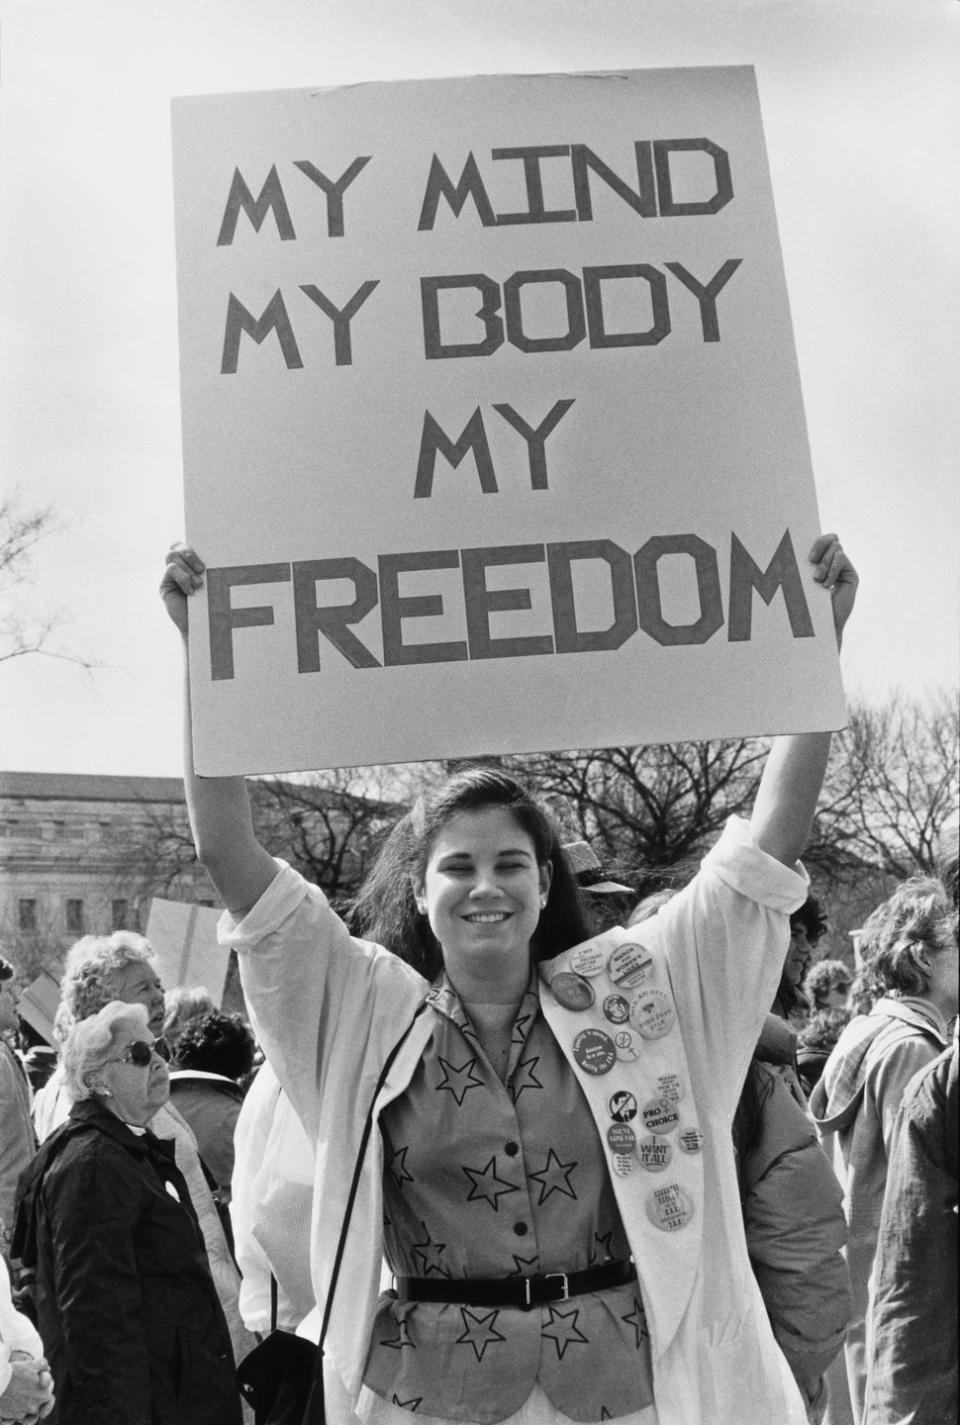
[351,1197]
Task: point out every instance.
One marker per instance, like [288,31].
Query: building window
[75,916]
[28,915]
[118,915]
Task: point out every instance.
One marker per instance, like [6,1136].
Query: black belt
[523,1292]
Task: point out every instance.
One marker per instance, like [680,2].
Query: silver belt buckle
[561,1276]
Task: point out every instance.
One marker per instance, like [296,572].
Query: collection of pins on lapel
[635,1014]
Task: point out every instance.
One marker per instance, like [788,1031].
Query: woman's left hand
[836,574]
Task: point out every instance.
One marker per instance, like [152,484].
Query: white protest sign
[39,1003]
[184,939]
[493,434]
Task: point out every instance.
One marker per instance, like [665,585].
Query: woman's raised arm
[790,787]
[219,807]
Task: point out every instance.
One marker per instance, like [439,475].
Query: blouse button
[511,1149]
[521,1229]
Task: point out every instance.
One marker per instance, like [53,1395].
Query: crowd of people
[505,1158]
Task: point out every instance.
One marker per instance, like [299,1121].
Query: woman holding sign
[551,1177]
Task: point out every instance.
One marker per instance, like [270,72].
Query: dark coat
[912,1339]
[126,1306]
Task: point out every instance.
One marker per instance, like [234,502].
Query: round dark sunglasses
[140,1053]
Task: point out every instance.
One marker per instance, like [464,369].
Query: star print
[459,1080]
[638,1320]
[524,1266]
[397,1343]
[482,1182]
[478,1331]
[520,1025]
[397,1167]
[428,1254]
[410,1404]
[554,1177]
[604,1241]
[562,1329]
[524,1077]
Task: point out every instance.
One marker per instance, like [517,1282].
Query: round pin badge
[624,1164]
[670,1087]
[669,1207]
[660,1117]
[588,959]
[654,1154]
[572,991]
[594,1051]
[691,1140]
[629,1046]
[652,1014]
[616,1009]
[622,1107]
[629,965]
[621,1138]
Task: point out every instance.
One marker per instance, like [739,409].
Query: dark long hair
[385,909]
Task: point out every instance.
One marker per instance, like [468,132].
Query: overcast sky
[861,114]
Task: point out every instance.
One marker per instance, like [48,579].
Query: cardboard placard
[493,433]
[184,939]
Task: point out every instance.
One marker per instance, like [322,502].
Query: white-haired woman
[125,1301]
[122,966]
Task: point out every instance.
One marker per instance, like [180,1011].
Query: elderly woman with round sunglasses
[552,1176]
[125,1301]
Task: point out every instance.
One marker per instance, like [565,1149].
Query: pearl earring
[543,902]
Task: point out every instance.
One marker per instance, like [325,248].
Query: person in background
[816,1042]
[17,1139]
[122,966]
[270,1208]
[26,1385]
[40,1061]
[792,1212]
[606,898]
[806,927]
[126,1305]
[796,1231]
[908,951]
[912,1314]
[48,1109]
[827,985]
[181,1006]
[213,1053]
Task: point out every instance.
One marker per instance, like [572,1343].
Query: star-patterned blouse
[485,1178]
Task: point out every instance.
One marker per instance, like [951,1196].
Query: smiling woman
[551,1179]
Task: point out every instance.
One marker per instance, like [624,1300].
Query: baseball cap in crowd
[588,869]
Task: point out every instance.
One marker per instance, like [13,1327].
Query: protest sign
[493,434]
[184,939]
[39,1003]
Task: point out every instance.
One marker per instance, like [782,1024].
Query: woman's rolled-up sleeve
[313,990]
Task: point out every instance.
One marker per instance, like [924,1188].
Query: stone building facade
[83,855]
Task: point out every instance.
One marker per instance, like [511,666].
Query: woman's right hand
[182,577]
